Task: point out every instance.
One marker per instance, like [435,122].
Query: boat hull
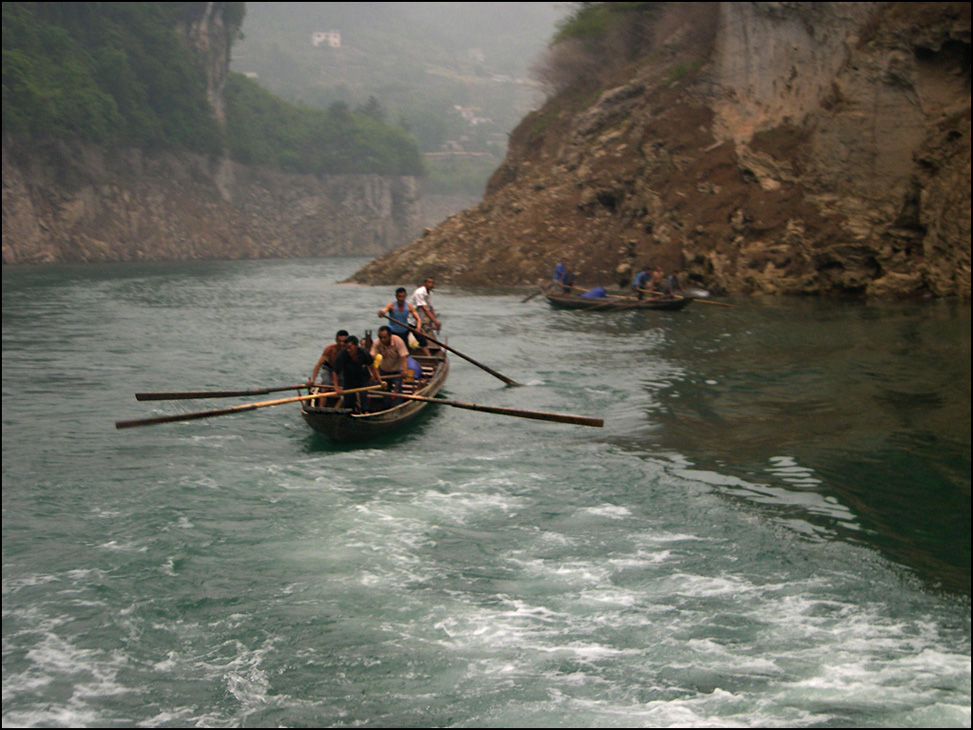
[342,426]
[617,304]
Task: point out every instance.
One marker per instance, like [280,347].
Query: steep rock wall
[207,34]
[810,148]
[69,203]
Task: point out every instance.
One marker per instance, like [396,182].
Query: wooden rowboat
[323,412]
[616,304]
[388,412]
[326,416]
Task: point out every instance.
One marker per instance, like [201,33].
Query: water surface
[772,528]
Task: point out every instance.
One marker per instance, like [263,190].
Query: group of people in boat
[350,364]
[650,281]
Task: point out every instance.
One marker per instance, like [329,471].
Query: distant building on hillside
[331,37]
[469,114]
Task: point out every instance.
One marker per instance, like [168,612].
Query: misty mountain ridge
[767,148]
[449,72]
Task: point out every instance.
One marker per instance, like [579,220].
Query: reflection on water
[707,558]
[867,404]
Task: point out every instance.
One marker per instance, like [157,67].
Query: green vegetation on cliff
[105,72]
[454,75]
[262,129]
[123,74]
[600,44]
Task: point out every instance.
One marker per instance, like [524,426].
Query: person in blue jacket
[642,281]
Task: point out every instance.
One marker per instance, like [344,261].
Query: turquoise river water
[771,529]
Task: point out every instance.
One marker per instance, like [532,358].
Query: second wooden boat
[615,303]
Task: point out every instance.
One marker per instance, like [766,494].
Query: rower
[392,360]
[400,312]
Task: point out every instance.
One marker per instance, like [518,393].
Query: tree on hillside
[119,73]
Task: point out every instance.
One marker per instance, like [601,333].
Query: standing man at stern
[421,299]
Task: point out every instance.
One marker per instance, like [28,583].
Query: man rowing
[392,355]
[353,369]
[403,314]
[325,363]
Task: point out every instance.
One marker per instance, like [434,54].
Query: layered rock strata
[70,203]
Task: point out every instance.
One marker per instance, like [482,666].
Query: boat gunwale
[616,303]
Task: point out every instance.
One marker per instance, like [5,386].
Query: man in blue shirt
[402,315]
[642,281]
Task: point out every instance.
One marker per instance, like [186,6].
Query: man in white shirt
[421,299]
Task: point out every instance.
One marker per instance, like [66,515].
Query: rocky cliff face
[766,147]
[206,33]
[70,203]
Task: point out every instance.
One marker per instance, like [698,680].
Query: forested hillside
[457,76]
[106,72]
[126,138]
[121,74]
[263,129]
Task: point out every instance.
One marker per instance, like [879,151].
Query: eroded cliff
[761,147]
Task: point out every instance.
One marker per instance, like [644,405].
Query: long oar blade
[190,394]
[519,413]
[228,411]
[432,339]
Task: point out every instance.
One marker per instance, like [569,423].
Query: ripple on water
[716,555]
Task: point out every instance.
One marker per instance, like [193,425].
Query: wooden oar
[537,415]
[540,290]
[611,301]
[190,394]
[432,339]
[234,409]
[683,296]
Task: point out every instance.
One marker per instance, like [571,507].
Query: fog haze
[415,59]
